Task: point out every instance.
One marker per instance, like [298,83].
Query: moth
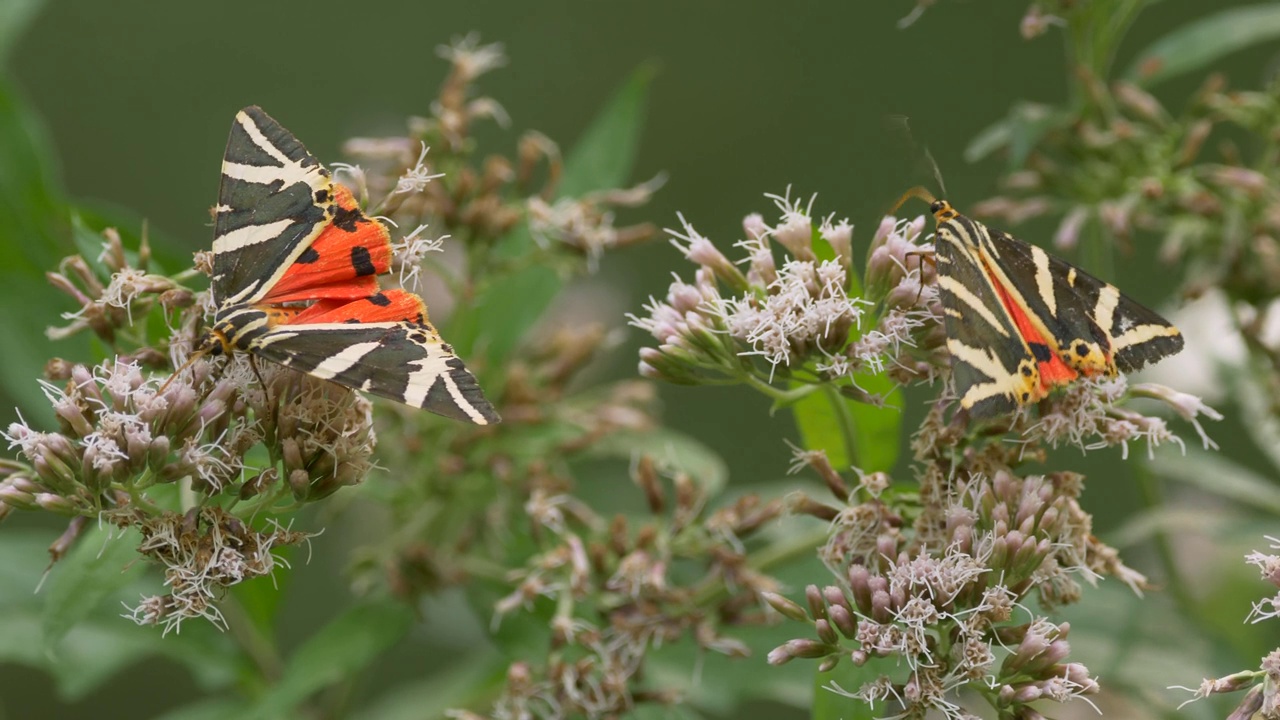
[1021,322]
[295,262]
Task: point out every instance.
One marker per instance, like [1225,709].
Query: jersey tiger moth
[1021,322]
[294,266]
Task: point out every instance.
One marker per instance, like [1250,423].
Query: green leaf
[260,599]
[32,237]
[96,651]
[1139,643]
[875,430]
[504,313]
[99,565]
[1019,131]
[1198,43]
[88,242]
[206,709]
[605,154]
[23,559]
[20,638]
[669,448]
[168,252]
[651,711]
[15,16]
[34,213]
[878,430]
[346,645]
[466,684]
[1219,476]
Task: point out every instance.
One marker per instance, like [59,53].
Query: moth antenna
[937,171]
[919,192]
[901,126]
[194,356]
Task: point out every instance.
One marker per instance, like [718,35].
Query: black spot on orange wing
[1040,351]
[362,261]
[380,300]
[346,218]
[308,256]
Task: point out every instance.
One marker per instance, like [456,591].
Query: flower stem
[780,397]
[840,409]
[256,645]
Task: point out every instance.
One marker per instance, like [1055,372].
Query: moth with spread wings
[294,266]
[1021,322]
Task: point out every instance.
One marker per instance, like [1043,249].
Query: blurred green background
[753,95]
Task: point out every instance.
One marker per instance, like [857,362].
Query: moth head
[942,210]
[212,342]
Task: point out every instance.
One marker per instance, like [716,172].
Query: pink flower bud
[754,226]
[784,606]
[54,503]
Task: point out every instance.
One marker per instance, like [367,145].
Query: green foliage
[348,644]
[86,577]
[1197,44]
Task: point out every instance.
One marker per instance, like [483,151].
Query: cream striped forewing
[274,201]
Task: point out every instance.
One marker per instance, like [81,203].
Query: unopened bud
[786,607]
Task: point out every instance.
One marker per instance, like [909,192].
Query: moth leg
[923,256]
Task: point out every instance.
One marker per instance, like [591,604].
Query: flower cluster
[114,304]
[585,225]
[124,444]
[802,316]
[1094,413]
[483,199]
[203,552]
[619,591]
[940,582]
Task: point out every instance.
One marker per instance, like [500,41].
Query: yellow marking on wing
[1012,385]
[1044,281]
[1144,333]
[965,295]
[1105,310]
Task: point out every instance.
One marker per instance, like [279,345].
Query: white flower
[416,178]
[409,252]
[470,57]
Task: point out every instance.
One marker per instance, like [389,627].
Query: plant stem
[840,408]
[257,646]
[781,397]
